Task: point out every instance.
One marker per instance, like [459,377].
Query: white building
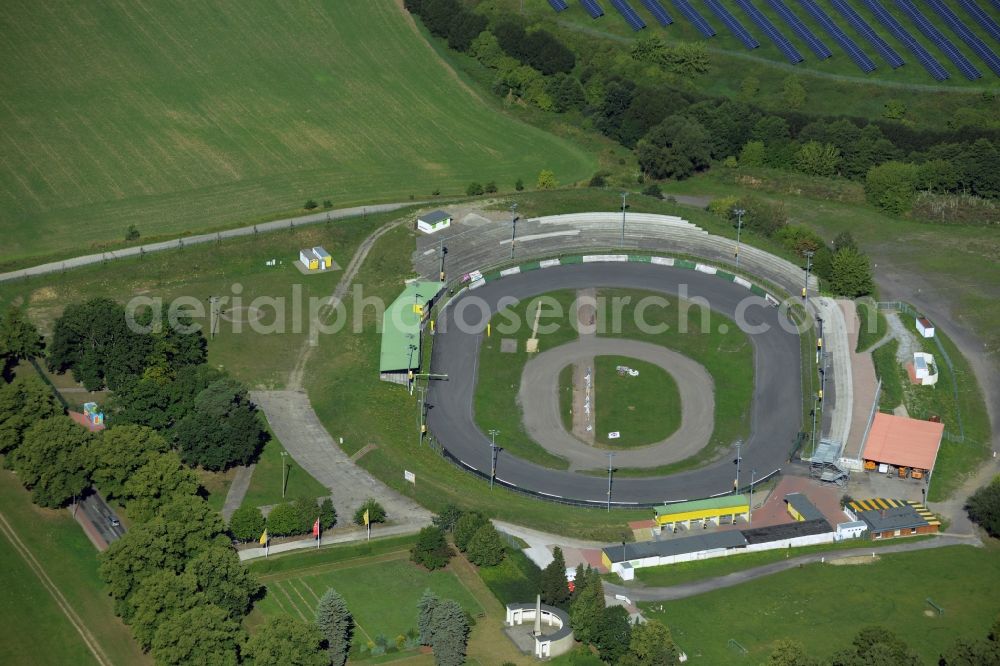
[434,221]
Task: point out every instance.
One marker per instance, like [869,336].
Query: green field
[644,409]
[181,117]
[382,595]
[33,629]
[823,606]
[265,484]
[872,326]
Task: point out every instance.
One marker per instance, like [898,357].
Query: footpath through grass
[823,606]
[234,117]
[872,326]
[33,630]
[265,484]
[644,409]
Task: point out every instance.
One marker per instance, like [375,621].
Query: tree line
[643,98]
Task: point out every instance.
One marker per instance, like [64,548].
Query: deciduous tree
[222,430]
[285,641]
[160,481]
[23,402]
[546,180]
[119,452]
[19,339]
[612,634]
[431,550]
[246,523]
[892,187]
[204,634]
[983,507]
[223,580]
[676,148]
[850,273]
[876,646]
[327,514]
[651,644]
[161,595]
[789,653]
[52,461]
[466,528]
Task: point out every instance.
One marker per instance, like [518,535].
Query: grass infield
[645,409]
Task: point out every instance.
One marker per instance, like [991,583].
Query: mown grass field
[178,117]
[33,629]
[382,595]
[833,86]
[823,606]
[265,484]
[644,409]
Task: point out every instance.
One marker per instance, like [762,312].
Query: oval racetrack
[776,409]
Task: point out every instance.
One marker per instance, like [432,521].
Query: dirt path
[487,643]
[237,490]
[298,372]
[88,638]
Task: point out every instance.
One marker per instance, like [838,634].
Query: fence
[906,308]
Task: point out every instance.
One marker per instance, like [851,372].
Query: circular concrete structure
[775,414]
[539,399]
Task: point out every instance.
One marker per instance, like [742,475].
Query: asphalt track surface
[776,410]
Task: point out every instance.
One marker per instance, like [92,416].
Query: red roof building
[903,442]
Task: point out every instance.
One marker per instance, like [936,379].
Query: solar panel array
[800,29]
[771,31]
[733,24]
[982,18]
[633,19]
[866,31]
[658,12]
[558,5]
[860,58]
[932,33]
[967,36]
[691,14]
[592,8]
[929,62]
[996,4]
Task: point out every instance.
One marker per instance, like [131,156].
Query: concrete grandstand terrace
[485,241]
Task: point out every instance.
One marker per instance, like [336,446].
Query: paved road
[775,414]
[102,517]
[539,398]
[297,427]
[237,490]
[314,218]
[709,584]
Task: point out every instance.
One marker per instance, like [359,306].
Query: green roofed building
[401,328]
[717,510]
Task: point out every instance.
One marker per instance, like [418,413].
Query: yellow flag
[263,538]
[366,516]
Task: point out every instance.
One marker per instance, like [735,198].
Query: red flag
[316,528]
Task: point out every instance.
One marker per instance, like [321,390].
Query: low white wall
[811,540]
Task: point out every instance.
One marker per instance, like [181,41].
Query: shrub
[132,233]
[546,180]
[431,550]
[310,205]
[984,507]
[285,519]
[598,180]
[327,204]
[474,189]
[376,514]
[519,184]
[466,528]
[653,190]
[246,523]
[490,187]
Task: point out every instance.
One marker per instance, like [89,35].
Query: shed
[801,509]
[904,443]
[714,509]
[309,259]
[851,530]
[325,259]
[787,535]
[670,551]
[925,327]
[893,518]
[434,221]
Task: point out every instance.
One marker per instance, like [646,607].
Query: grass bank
[644,409]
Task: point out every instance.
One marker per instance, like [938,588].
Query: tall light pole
[753,477]
[739,227]
[814,410]
[442,251]
[422,428]
[739,459]
[610,471]
[624,194]
[513,227]
[493,455]
[284,477]
[805,287]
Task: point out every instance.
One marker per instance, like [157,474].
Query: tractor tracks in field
[25,553]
